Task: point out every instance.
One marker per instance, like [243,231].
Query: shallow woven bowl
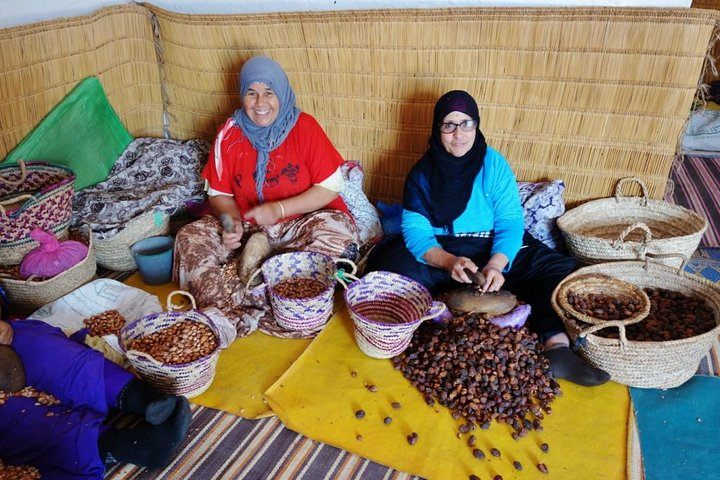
[597,283]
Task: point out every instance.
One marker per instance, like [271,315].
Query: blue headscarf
[265,139]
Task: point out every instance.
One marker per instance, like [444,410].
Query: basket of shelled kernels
[175,351]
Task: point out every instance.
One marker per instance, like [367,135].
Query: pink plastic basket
[386,309]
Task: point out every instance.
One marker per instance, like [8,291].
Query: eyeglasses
[466,126]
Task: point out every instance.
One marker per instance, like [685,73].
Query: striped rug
[696,185]
[223,446]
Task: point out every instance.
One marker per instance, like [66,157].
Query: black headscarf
[445,194]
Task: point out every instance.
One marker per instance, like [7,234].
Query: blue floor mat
[678,429]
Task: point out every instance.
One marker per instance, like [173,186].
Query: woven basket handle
[620,242]
[437,309]
[349,262]
[171,307]
[681,268]
[619,193]
[344,278]
[23,175]
[620,324]
[24,196]
[251,280]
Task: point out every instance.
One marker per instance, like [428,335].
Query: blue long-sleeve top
[494,205]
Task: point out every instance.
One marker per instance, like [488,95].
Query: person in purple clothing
[71,440]
[462,213]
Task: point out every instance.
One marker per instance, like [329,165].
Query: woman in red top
[273,180]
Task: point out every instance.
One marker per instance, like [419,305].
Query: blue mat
[678,429]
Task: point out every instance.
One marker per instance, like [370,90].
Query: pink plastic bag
[51,257]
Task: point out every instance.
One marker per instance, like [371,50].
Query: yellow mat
[245,369]
[319,395]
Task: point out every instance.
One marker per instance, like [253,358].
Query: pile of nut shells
[481,372]
[183,342]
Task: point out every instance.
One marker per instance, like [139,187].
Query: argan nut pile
[30,392]
[105,323]
[18,472]
[603,306]
[673,316]
[481,372]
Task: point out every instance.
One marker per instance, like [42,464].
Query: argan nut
[545,447]
[471,441]
[517,465]
[473,477]
[395,405]
[479,454]
[387,420]
[372,388]
[360,414]
[542,467]
[497,477]
[495,452]
[412,438]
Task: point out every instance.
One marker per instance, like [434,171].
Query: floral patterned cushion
[543,203]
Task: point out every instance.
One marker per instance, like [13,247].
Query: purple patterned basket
[309,313]
[386,309]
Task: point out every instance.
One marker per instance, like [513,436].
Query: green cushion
[82,132]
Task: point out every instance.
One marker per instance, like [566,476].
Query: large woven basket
[307,313]
[665,364]
[625,228]
[114,253]
[32,195]
[386,309]
[188,379]
[28,295]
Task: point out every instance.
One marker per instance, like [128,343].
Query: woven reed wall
[41,63]
[586,95]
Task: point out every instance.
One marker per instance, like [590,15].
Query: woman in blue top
[462,213]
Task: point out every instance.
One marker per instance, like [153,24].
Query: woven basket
[625,228]
[600,284]
[114,253]
[644,364]
[301,314]
[386,309]
[32,195]
[28,295]
[188,379]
